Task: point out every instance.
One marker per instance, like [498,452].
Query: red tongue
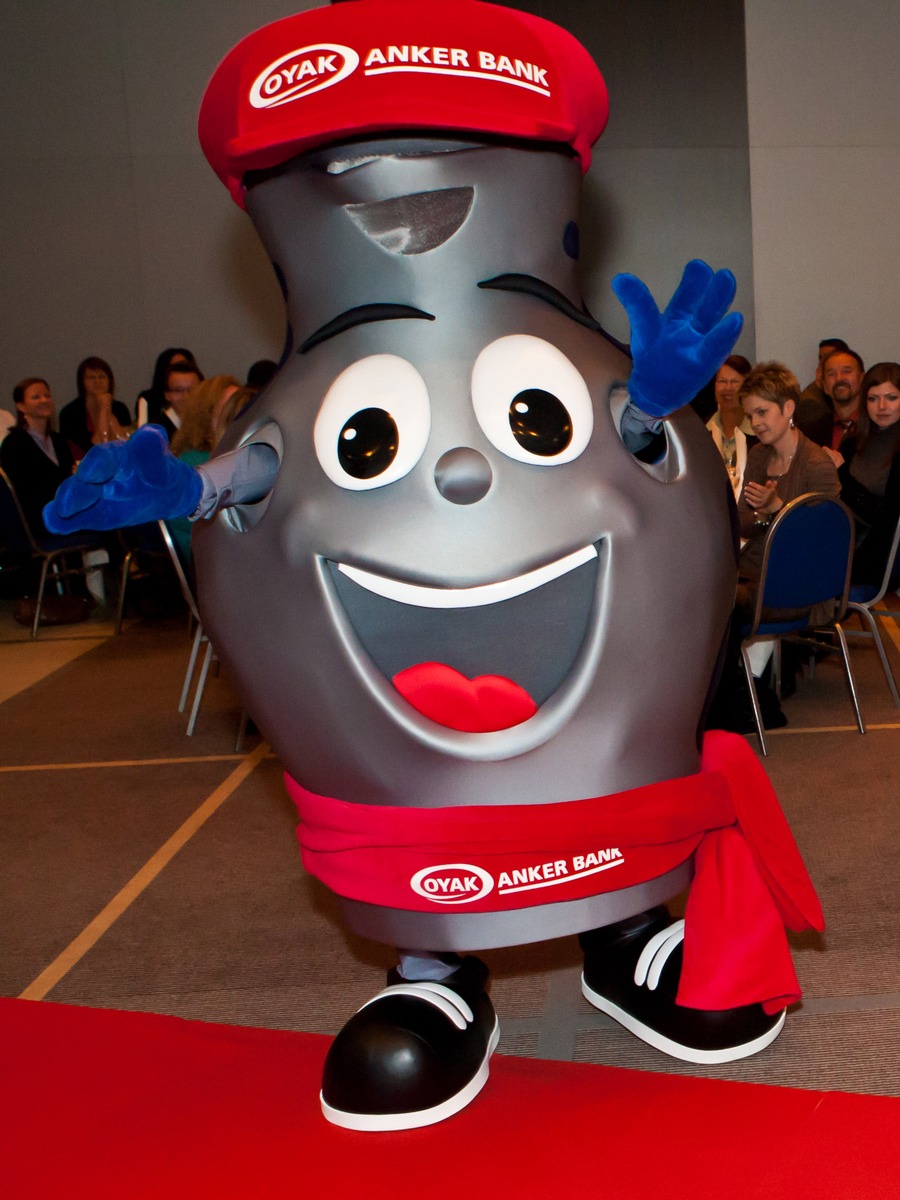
[481,705]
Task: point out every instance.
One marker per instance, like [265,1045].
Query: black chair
[141,546]
[807,557]
[55,553]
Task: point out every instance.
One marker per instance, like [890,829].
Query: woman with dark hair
[94,415]
[729,426]
[151,403]
[870,472]
[33,455]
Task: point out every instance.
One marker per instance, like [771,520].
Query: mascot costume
[474,590]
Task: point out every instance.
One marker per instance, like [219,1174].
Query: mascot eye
[531,402]
[540,422]
[374,423]
[368,443]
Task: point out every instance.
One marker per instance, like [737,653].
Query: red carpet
[101,1105]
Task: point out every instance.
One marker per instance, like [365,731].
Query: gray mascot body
[475,625]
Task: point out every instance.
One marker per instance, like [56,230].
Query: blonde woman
[204,414]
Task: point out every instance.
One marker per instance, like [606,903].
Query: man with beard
[813,391]
[831,421]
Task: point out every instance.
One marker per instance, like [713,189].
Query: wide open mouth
[477,659]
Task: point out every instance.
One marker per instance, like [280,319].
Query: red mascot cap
[374,66]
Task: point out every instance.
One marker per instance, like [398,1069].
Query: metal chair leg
[776,666]
[40,597]
[201,684]
[875,633]
[242,730]
[189,673]
[123,584]
[851,682]
[757,712]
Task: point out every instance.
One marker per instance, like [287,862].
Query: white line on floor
[92,933]
[826,729]
[126,762]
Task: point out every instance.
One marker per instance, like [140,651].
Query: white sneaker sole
[674,1049]
[387,1122]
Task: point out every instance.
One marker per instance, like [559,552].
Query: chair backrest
[15,536]
[890,568]
[807,555]
[180,570]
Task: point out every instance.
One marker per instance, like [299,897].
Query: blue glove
[125,483]
[676,352]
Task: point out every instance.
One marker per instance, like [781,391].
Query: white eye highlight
[373,424]
[531,402]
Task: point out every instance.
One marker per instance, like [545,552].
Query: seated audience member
[151,402]
[230,407]
[35,457]
[181,378]
[870,472]
[261,374]
[829,422]
[7,421]
[204,415]
[813,395]
[93,416]
[729,425]
[782,466]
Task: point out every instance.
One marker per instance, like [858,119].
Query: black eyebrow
[363,314]
[533,286]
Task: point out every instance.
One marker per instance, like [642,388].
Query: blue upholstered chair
[807,557]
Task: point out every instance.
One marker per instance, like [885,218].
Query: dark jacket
[35,476]
[74,424]
[877,517]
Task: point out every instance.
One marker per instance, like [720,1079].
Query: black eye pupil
[540,422]
[368,443]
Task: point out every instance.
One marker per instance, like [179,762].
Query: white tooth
[473,597]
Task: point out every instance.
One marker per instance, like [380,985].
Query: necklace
[787,465]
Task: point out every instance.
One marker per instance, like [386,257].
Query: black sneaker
[415,1054]
[631,972]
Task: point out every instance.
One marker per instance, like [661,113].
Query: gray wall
[825,171]
[119,240]
[670,177]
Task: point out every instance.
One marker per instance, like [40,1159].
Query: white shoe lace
[655,955]
[449,1002]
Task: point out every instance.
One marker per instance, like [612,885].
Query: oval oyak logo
[452,883]
[302,72]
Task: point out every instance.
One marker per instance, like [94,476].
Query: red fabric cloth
[105,1105]
[749,877]
[454,66]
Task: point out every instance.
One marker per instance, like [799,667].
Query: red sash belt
[749,878]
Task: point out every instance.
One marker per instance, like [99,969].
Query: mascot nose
[463,476]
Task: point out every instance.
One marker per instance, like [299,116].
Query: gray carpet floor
[96,774]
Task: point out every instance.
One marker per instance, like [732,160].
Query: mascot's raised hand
[677,351]
[125,483]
